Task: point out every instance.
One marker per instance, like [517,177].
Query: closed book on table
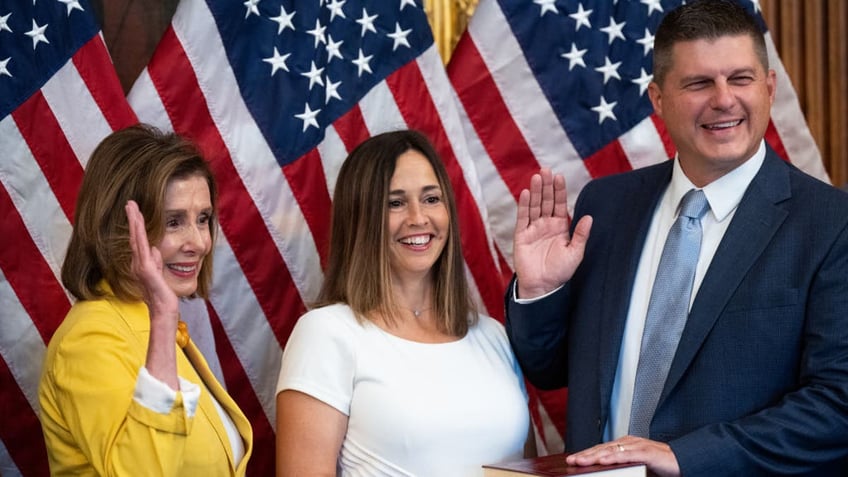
[555,466]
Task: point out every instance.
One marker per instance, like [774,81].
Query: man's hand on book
[656,455]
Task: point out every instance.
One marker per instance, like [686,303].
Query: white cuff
[159,397]
[527,301]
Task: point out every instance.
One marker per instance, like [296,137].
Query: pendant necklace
[417,312]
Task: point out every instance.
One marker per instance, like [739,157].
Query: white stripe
[789,121]
[7,465]
[247,329]
[447,104]
[20,344]
[251,156]
[333,153]
[379,110]
[31,194]
[643,145]
[554,442]
[195,315]
[518,86]
[79,116]
[147,104]
[500,204]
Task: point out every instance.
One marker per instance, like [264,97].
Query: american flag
[563,84]
[276,93]
[59,96]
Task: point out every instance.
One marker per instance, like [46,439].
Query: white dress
[414,408]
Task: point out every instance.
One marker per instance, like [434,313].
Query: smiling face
[715,101]
[418,219]
[187,237]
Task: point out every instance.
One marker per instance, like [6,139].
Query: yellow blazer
[92,425]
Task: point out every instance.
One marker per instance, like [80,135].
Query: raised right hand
[162,303]
[544,254]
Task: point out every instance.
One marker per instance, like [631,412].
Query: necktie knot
[694,204]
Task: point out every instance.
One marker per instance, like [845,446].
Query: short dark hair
[133,163]
[704,19]
[358,272]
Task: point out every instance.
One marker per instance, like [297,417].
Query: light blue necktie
[667,310]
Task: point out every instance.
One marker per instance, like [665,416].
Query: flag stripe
[407,84]
[235,377]
[21,353]
[249,150]
[28,272]
[640,144]
[250,334]
[492,121]
[309,186]
[91,60]
[670,148]
[50,148]
[21,432]
[48,226]
[269,277]
[773,138]
[20,344]
[7,465]
[527,103]
[351,128]
[610,159]
[334,149]
[788,120]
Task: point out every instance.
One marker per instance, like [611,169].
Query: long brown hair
[358,271]
[134,163]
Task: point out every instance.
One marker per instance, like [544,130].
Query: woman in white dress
[393,372]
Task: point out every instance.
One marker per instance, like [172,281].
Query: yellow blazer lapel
[211,384]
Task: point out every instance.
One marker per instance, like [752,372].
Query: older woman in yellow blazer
[124,391]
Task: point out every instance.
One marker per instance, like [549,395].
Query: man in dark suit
[756,380]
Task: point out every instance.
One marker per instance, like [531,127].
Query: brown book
[555,466]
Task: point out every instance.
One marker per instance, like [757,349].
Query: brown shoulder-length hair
[133,163]
[358,271]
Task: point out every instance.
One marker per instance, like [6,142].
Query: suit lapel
[632,222]
[755,222]
[210,384]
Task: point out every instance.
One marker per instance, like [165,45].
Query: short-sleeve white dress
[414,408]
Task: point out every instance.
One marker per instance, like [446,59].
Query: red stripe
[417,107]
[51,150]
[263,266]
[773,140]
[506,270]
[555,404]
[309,186]
[21,431]
[490,117]
[351,128]
[98,72]
[611,159]
[241,390]
[668,144]
[28,273]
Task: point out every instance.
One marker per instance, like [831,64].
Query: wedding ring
[620,448]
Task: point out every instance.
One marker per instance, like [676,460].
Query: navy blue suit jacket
[759,384]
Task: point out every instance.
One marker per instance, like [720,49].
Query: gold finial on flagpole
[448,19]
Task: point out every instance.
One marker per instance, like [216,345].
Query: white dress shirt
[723,195]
